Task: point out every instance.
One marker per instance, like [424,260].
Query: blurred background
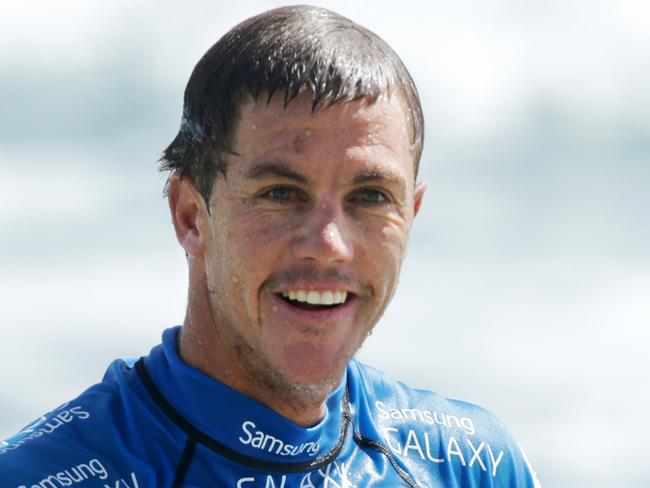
[527,285]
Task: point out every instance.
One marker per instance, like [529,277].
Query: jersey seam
[184,463]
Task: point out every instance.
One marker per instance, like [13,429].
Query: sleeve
[508,462]
[35,454]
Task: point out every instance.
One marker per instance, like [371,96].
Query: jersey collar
[235,420]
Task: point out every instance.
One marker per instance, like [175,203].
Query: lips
[323,302]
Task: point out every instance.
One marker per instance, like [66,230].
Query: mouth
[312,300]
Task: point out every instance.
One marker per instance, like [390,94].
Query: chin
[317,389]
[308,371]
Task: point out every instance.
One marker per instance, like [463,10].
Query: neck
[206,346]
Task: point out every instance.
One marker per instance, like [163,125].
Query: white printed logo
[80,473]
[44,425]
[266,442]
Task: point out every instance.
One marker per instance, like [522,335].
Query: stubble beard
[259,369]
[295,395]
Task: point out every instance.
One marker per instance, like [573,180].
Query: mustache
[306,272]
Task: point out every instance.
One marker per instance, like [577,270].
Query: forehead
[346,131]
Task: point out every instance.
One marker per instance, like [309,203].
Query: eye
[281,194]
[370,196]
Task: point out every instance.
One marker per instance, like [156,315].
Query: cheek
[394,238]
[385,240]
[383,247]
[260,238]
[264,228]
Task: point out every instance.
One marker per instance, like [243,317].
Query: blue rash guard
[161,423]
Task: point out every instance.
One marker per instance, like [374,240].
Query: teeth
[327,297]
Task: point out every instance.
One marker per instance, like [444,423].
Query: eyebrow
[265,170]
[375,175]
[273,169]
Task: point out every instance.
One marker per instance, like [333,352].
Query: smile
[327,297]
[315,300]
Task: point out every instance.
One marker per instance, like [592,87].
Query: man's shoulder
[384,390]
[441,435]
[74,436]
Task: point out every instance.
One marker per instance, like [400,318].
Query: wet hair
[285,51]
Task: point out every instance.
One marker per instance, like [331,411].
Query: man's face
[307,234]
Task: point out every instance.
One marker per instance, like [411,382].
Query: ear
[189,214]
[420,188]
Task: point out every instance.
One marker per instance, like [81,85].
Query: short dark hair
[290,50]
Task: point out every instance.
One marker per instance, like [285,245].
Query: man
[292,191]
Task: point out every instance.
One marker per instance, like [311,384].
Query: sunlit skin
[312,201]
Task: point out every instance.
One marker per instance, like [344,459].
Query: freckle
[299,142]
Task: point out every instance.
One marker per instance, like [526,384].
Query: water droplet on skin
[252,127]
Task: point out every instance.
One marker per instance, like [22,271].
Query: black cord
[377,446]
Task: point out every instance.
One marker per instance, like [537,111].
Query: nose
[324,238]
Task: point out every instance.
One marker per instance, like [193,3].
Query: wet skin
[311,201]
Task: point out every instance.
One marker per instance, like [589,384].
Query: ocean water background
[527,285]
